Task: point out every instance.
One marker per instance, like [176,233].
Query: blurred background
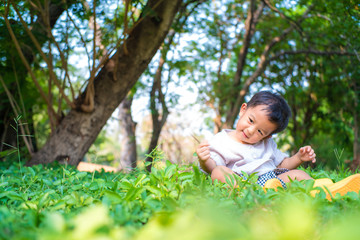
[216,55]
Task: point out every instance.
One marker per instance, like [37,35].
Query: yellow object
[322,182]
[273,183]
[349,184]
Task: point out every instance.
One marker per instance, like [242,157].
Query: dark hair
[278,110]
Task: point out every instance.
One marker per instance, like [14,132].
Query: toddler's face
[253,125]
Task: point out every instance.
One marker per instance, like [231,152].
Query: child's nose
[252,130]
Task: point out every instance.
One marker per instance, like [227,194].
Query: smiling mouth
[245,134]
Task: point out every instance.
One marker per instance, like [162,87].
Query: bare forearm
[290,162]
[305,154]
[205,161]
[207,165]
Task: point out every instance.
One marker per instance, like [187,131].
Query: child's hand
[203,151]
[307,154]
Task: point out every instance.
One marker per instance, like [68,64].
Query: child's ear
[242,109]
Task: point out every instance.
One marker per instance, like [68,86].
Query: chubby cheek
[258,139]
[255,138]
[241,124]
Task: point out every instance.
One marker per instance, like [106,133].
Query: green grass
[175,202]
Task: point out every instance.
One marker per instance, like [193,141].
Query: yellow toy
[349,184]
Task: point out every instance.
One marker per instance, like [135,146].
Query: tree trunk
[240,88]
[128,144]
[78,130]
[264,59]
[158,115]
[356,145]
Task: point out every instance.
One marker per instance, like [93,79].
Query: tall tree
[319,107]
[242,48]
[79,128]
[128,155]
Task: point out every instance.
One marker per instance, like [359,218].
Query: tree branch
[16,110]
[310,51]
[282,15]
[38,47]
[25,62]
[264,61]
[250,25]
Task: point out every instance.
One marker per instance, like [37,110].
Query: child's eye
[250,120]
[260,132]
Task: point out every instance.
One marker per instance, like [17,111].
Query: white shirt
[260,158]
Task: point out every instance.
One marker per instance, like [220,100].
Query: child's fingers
[202,145]
[202,148]
[303,150]
[307,149]
[204,156]
[311,154]
[203,151]
[312,157]
[307,154]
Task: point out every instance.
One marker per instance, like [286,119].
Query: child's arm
[203,152]
[305,154]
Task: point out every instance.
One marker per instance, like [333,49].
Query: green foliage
[171,202]
[305,66]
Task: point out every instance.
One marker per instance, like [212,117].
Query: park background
[210,58]
[132,83]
